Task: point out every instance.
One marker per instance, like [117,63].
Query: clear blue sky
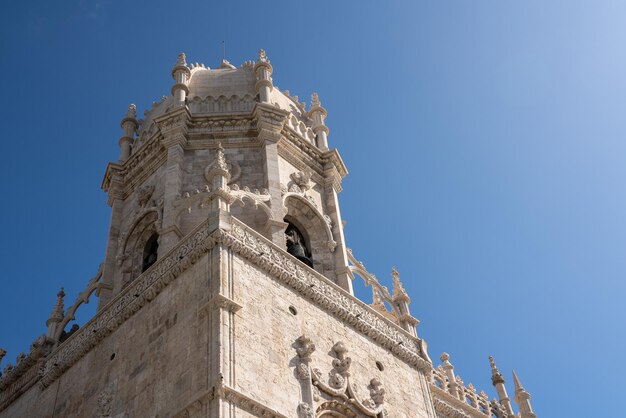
[485,142]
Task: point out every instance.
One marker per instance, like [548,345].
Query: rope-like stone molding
[449,411]
[140,292]
[324,293]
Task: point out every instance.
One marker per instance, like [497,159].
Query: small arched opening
[150,252]
[297,244]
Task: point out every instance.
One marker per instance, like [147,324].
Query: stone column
[331,188]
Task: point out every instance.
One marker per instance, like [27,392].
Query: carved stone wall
[266,332]
[152,365]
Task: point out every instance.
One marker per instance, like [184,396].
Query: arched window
[296,244]
[150,251]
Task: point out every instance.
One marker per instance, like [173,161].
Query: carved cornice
[270,121]
[258,250]
[301,160]
[21,384]
[19,378]
[449,411]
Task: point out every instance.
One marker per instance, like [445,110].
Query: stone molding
[449,411]
[234,397]
[261,252]
[140,292]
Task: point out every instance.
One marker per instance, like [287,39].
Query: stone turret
[263,72]
[317,114]
[522,399]
[129,125]
[56,316]
[180,74]
[498,382]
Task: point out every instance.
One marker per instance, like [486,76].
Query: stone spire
[180,74]
[263,72]
[56,316]
[398,290]
[401,299]
[317,114]
[498,382]
[522,399]
[129,125]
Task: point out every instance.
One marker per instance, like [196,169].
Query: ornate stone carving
[264,254]
[144,194]
[105,402]
[145,288]
[304,349]
[305,410]
[339,385]
[327,295]
[302,180]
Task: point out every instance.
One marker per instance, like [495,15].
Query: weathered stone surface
[226,322]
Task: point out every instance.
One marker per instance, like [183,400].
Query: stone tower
[226,287]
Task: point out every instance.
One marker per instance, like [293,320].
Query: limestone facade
[226,287]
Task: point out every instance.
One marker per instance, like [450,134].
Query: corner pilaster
[270,121]
[173,128]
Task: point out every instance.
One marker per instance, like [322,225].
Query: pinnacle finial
[518,386]
[181,59]
[398,289]
[315,101]
[57,311]
[263,56]
[496,376]
[131,113]
[444,357]
[3,353]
